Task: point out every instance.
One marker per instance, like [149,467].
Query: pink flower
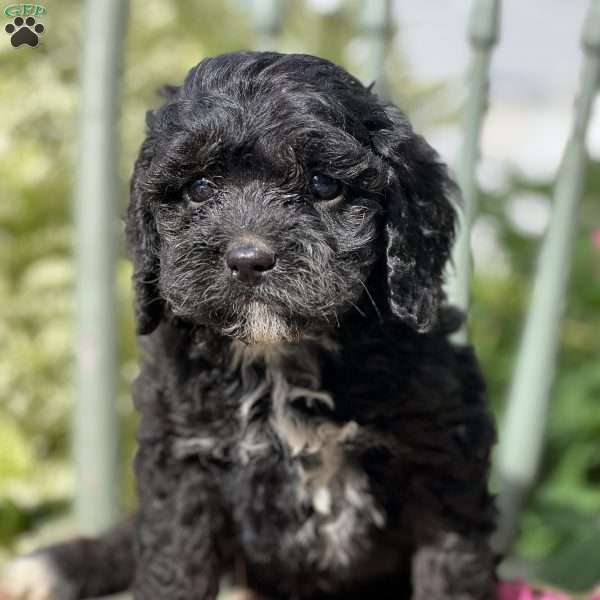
[514,590]
[519,590]
[595,236]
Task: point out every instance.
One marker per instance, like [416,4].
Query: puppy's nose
[248,262]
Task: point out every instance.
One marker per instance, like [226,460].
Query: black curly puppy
[304,416]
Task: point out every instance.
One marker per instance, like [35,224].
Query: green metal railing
[483,36]
[376,20]
[522,434]
[268,18]
[528,403]
[95,422]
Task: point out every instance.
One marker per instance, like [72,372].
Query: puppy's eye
[323,187]
[200,190]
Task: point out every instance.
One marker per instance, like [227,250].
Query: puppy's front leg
[452,524]
[200,537]
[454,567]
[177,541]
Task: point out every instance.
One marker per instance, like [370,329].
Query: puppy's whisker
[154,300]
[358,310]
[379,317]
[150,280]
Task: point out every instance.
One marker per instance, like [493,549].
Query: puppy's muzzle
[248,262]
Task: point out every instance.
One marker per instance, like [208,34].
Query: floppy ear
[419,222]
[143,244]
[141,232]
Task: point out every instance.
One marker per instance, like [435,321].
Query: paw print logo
[24,32]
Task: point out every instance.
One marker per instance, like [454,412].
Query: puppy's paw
[34,578]
[239,593]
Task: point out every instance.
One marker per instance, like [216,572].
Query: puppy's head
[274,193]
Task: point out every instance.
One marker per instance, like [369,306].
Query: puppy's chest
[291,448]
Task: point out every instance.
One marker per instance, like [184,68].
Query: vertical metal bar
[268,17]
[377,26]
[483,36]
[525,418]
[96,200]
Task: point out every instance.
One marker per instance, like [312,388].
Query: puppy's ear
[419,222]
[141,230]
[143,244]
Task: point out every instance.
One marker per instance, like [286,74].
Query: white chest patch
[333,490]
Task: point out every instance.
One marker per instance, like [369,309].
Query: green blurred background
[560,527]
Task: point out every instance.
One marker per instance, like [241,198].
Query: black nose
[248,262]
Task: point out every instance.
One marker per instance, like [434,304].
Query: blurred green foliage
[560,527]
[560,537]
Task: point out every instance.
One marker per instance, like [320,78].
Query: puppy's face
[265,246]
[265,195]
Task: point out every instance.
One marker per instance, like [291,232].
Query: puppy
[305,419]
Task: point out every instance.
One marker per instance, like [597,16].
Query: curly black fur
[317,428]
